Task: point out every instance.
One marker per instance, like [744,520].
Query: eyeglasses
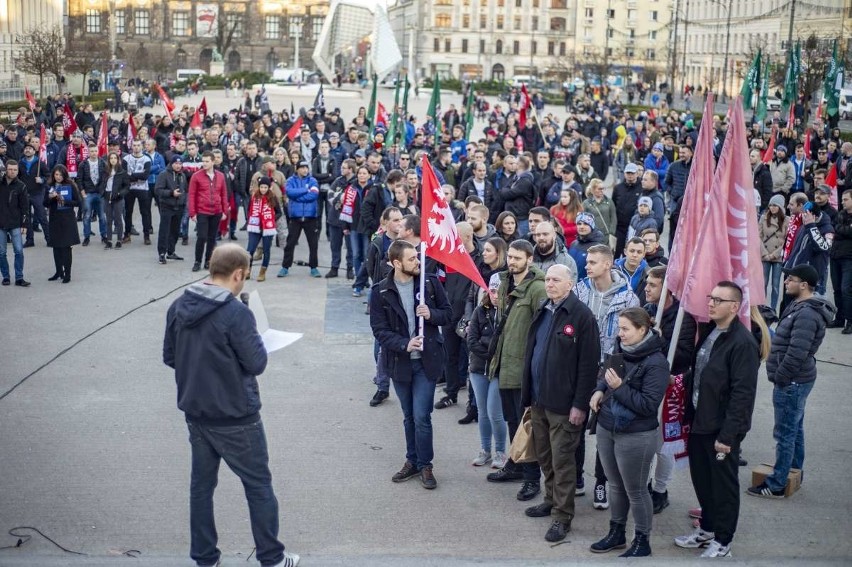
[718,300]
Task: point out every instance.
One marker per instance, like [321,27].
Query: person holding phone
[627,399]
[62,196]
[171,191]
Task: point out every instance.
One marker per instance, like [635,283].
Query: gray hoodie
[606,305]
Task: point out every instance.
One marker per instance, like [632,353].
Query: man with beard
[549,251]
[477,216]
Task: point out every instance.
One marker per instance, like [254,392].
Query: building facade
[710,30]
[17,17]
[154,38]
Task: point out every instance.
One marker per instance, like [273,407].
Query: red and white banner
[831,181]
[523,105]
[68,121]
[728,246]
[164,98]
[202,108]
[103,135]
[42,145]
[382,115]
[30,99]
[438,230]
[294,130]
[131,133]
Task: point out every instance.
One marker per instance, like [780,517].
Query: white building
[16,18]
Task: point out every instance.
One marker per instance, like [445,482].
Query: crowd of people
[563,217]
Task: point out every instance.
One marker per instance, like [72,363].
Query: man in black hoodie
[625,196]
[212,343]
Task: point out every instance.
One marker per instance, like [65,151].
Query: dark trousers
[452,348]
[311,226]
[40,216]
[841,281]
[144,199]
[717,486]
[206,227]
[167,236]
[672,229]
[513,411]
[245,452]
[620,241]
[62,261]
[580,458]
[336,240]
[556,440]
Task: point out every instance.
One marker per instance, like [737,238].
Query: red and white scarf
[71,159]
[261,217]
[792,229]
[347,209]
[675,431]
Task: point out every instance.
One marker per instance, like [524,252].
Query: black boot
[332,273]
[615,539]
[640,547]
[471,416]
[836,324]
[847,330]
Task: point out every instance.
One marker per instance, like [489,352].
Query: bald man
[557,385]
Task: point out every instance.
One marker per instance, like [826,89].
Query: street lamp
[296,24]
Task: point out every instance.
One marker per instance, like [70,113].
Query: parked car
[773,103]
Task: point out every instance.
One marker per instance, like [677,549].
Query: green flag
[751,83]
[468,113]
[371,109]
[762,99]
[791,79]
[405,99]
[830,86]
[392,127]
[434,110]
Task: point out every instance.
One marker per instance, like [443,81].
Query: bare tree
[224,32]
[43,53]
[87,58]
[815,56]
[599,64]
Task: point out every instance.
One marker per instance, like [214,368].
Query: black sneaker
[196,267]
[471,416]
[378,398]
[243,228]
[162,258]
[529,491]
[445,402]
[22,283]
[504,475]
[557,531]
[7,281]
[600,502]
[660,500]
[233,236]
[108,245]
[350,274]
[207,265]
[184,241]
[847,330]
[580,487]
[86,241]
[173,256]
[427,479]
[134,232]
[408,470]
[540,511]
[331,273]
[764,491]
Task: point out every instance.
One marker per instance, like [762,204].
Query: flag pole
[421,321]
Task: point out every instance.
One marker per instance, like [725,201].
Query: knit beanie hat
[586,218]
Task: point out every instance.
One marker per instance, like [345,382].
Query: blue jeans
[38,218]
[523,226]
[382,379]
[772,278]
[416,399]
[243,447]
[17,247]
[490,408]
[254,240]
[94,202]
[335,240]
[789,433]
[358,244]
[184,223]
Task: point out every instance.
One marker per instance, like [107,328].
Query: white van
[189,74]
[845,104]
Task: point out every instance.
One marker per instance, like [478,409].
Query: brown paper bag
[523,449]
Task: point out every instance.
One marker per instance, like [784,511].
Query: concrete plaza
[94,453]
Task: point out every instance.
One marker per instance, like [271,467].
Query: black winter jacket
[626,199]
[763,184]
[641,393]
[521,196]
[728,385]
[675,183]
[14,204]
[479,333]
[798,337]
[85,177]
[685,341]
[167,182]
[841,248]
[212,342]
[120,186]
[572,353]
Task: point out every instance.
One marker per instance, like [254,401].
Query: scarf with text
[675,431]
[261,216]
[72,160]
[347,209]
[792,229]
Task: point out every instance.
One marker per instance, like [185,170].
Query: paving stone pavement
[93,450]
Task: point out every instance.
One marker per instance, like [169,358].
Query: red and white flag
[523,105]
[728,245]
[164,98]
[438,230]
[103,135]
[694,204]
[30,99]
[42,145]
[196,120]
[202,108]
[769,152]
[294,130]
[382,115]
[68,121]
[831,181]
[131,133]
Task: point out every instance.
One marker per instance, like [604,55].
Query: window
[464,46]
[498,47]
[142,19]
[436,45]
[610,14]
[516,24]
[501,3]
[609,51]
[483,21]
[180,23]
[557,24]
[499,22]
[466,21]
[316,26]
[272,27]
[444,2]
[534,47]
[93,21]
[235,22]
[535,4]
[551,47]
[559,4]
[535,23]
[610,33]
[516,47]
[447,45]
[653,15]
[652,54]
[562,48]
[443,20]
[518,3]
[632,33]
[629,52]
[652,34]
[631,15]
[590,12]
[482,46]
[120,22]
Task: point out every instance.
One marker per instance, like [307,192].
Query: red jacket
[206,196]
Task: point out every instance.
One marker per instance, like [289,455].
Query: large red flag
[202,108]
[382,115]
[294,130]
[831,181]
[196,120]
[769,152]
[131,133]
[68,121]
[103,135]
[694,204]
[523,104]
[164,98]
[30,100]
[728,245]
[42,145]
[438,230]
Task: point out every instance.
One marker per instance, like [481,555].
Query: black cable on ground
[99,329]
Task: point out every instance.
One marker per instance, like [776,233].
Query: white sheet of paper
[272,339]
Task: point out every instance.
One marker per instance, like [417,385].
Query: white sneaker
[697,539]
[600,501]
[290,560]
[716,549]
[499,461]
[483,459]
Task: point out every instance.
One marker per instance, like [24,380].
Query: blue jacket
[636,279]
[661,167]
[212,343]
[158,165]
[303,193]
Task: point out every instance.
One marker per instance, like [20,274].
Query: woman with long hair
[625,154]
[627,400]
[601,208]
[402,200]
[773,232]
[114,186]
[565,212]
[61,197]
[507,227]
[264,210]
